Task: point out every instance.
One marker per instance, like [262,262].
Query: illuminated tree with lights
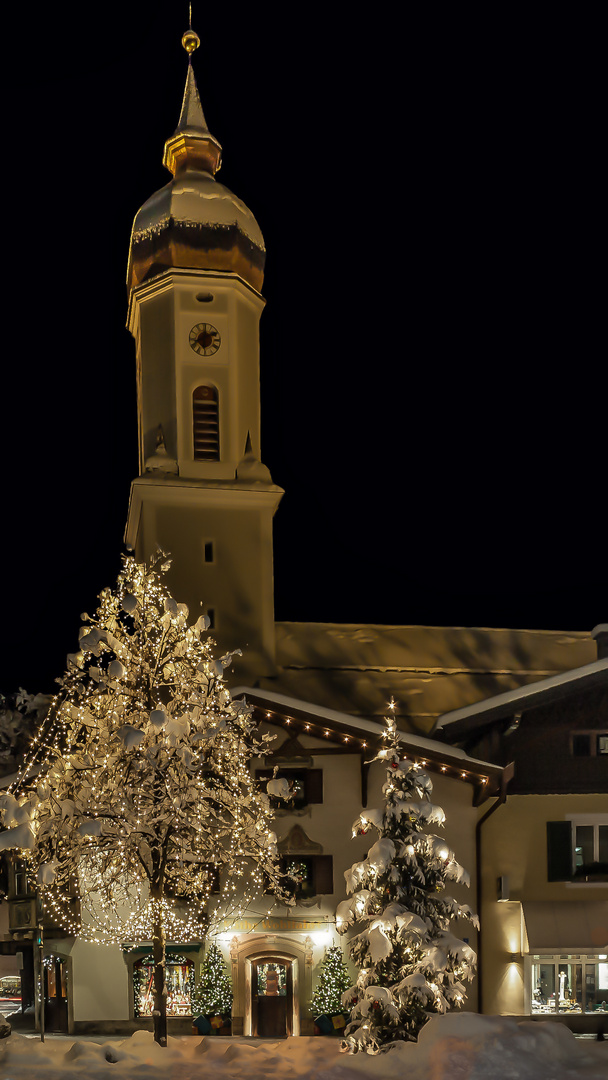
[20,714]
[137,797]
[411,965]
[213,993]
[333,980]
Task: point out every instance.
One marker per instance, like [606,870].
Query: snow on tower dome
[195,222]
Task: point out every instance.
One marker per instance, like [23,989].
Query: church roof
[542,692]
[429,670]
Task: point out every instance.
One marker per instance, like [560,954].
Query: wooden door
[272,993]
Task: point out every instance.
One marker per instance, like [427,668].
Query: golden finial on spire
[190,40]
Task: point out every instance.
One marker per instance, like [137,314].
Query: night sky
[433,374]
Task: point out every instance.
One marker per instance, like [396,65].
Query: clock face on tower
[205,339]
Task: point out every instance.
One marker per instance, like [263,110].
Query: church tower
[196,267]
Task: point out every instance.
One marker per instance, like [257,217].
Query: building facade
[543,855]
[195,276]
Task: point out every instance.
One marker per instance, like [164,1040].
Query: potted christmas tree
[326,1005]
[212,996]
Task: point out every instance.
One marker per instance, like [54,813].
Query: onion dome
[194,222]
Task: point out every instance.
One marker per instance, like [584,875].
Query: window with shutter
[312,875]
[590,851]
[577,850]
[313,779]
[300,870]
[306,787]
[323,874]
[559,851]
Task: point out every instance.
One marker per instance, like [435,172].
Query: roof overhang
[504,706]
[344,733]
[577,926]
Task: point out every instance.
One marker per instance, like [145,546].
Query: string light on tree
[333,980]
[137,797]
[213,993]
[410,964]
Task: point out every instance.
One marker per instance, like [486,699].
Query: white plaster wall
[514,844]
[4,930]
[99,981]
[330,824]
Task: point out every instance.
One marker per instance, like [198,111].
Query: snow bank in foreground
[461,1046]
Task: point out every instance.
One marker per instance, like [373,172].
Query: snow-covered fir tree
[138,791]
[213,993]
[411,965]
[333,980]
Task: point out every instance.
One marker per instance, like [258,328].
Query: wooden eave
[475,719]
[345,735]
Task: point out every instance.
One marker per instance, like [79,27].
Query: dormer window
[206,423]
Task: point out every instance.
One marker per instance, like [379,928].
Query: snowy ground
[455,1047]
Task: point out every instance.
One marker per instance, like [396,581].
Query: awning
[571,926]
[171,947]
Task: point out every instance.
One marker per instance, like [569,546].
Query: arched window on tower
[206,423]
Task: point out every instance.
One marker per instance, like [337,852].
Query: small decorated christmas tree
[333,981]
[411,965]
[213,993]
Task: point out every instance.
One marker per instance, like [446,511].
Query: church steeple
[195,272]
[192,144]
[193,221]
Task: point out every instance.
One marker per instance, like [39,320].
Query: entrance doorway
[55,994]
[272,997]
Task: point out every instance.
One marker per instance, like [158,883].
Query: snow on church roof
[429,670]
[526,697]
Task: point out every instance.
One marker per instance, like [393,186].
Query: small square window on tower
[208,551]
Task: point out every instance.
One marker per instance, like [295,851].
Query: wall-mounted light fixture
[502,889]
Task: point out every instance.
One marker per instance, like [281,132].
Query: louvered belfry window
[206,424]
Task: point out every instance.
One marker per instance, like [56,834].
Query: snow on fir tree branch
[137,795]
[411,965]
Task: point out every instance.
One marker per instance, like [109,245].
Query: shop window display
[179,980]
[567,983]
